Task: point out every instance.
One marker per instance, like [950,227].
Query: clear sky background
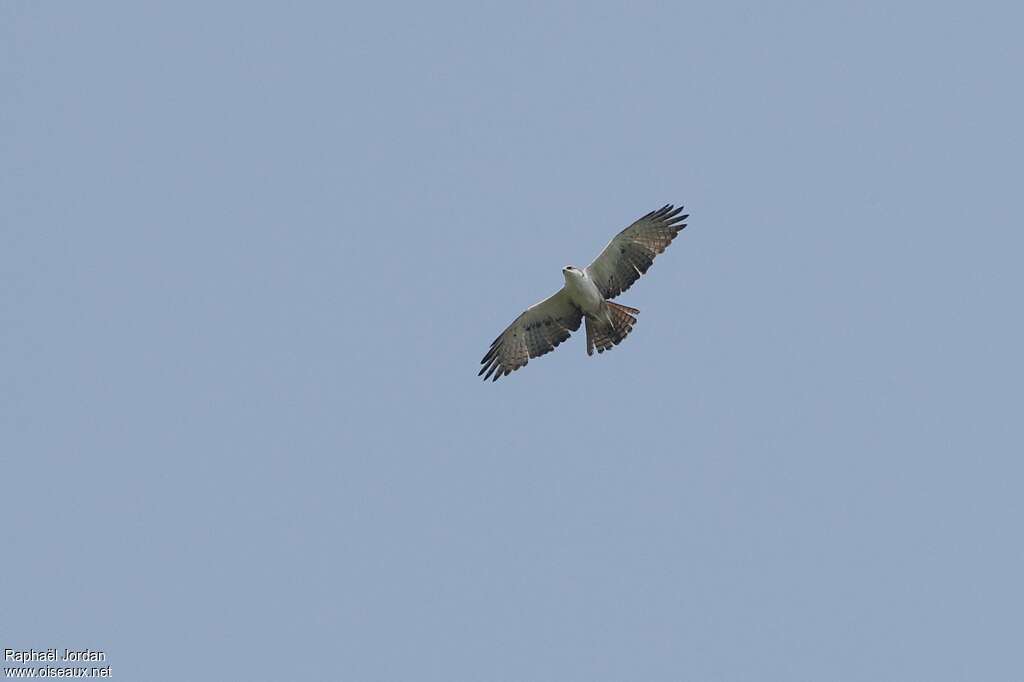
[251,256]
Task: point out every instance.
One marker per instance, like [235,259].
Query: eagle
[587,294]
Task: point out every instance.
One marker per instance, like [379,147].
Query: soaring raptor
[586,294]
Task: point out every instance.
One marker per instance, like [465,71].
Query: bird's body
[586,295]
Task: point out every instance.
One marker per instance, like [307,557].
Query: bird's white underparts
[587,295]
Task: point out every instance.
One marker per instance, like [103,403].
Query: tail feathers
[602,336]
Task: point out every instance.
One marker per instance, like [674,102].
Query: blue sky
[252,255]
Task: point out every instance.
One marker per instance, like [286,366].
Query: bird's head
[571,271]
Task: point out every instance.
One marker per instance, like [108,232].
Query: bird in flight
[586,294]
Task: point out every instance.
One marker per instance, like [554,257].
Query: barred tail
[602,336]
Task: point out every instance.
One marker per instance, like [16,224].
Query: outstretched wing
[632,251]
[534,333]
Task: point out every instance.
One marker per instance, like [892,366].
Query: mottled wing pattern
[632,251]
[537,331]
